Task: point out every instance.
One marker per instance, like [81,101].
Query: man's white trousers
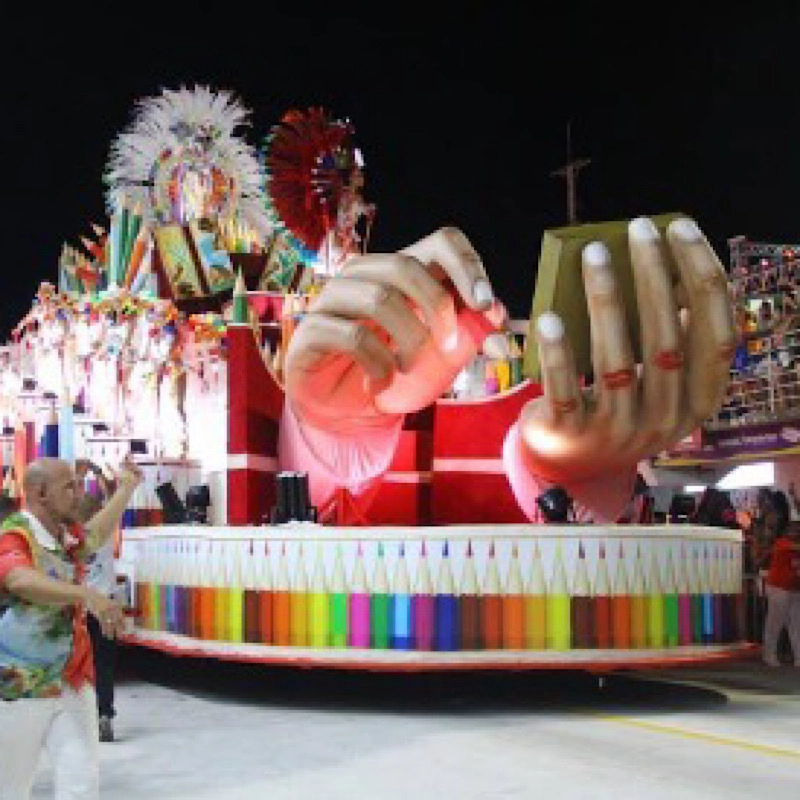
[66,728]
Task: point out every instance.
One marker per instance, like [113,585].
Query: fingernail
[373,383]
[482,292]
[686,229]
[450,342]
[495,345]
[643,230]
[596,254]
[550,326]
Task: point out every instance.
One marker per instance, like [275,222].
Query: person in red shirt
[47,698]
[782,584]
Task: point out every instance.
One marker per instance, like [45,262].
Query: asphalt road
[203,729]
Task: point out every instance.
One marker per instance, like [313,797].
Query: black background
[461,116]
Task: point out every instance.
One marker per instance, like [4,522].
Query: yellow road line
[673,730]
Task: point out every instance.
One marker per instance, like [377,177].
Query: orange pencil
[602,602]
[281,604]
[536,605]
[492,605]
[207,596]
[621,605]
[513,606]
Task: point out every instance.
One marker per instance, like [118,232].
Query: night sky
[461,119]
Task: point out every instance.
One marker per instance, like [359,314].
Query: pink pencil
[359,605]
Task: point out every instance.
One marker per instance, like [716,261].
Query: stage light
[198,499]
[292,501]
[174,510]
[682,508]
[555,504]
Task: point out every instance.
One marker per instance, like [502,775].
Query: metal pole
[570,172]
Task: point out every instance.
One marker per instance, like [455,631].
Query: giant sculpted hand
[384,339]
[633,411]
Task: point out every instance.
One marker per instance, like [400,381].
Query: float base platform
[413,661]
[471,597]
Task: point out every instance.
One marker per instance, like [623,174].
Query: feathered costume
[310,160]
[181,159]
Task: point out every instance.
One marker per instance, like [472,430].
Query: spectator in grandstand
[761,533]
[795,505]
[765,315]
[640,507]
[782,584]
[715,509]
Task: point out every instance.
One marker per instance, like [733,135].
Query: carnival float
[166,336]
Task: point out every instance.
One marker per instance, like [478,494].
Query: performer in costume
[123,332]
[170,383]
[103,384]
[344,241]
[172,413]
[84,348]
[50,365]
[314,184]
[348,388]
[10,386]
[96,369]
[143,391]
[71,362]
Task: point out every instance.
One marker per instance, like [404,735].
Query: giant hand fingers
[407,275]
[560,386]
[612,357]
[711,337]
[662,346]
[348,298]
[450,250]
[334,369]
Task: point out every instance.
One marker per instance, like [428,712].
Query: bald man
[47,697]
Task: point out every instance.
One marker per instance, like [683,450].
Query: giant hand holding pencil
[389,335]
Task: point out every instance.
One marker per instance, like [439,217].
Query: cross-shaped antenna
[570,172]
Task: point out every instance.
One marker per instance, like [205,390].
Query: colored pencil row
[227,601]
[712,570]
[443,622]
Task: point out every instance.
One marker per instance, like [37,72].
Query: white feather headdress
[180,135]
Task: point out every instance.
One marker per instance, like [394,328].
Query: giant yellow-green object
[559,285]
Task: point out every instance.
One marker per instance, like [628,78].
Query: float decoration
[417,583]
[314,178]
[184,191]
[182,160]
